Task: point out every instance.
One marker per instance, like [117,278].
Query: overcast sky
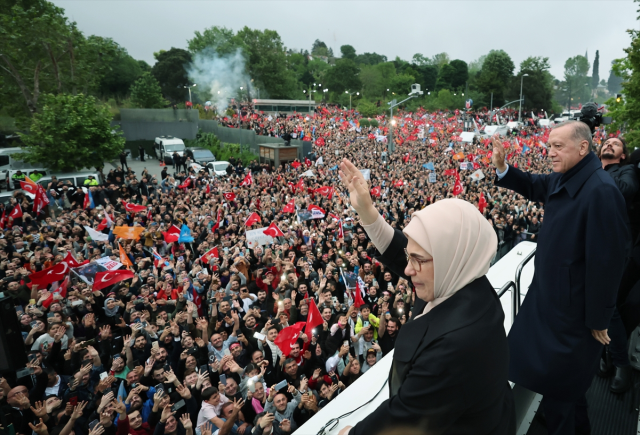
[464,29]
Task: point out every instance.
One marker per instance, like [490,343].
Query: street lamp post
[310,91]
[520,107]
[415,92]
[189,87]
[350,94]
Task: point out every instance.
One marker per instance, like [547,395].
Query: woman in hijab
[450,363]
[113,309]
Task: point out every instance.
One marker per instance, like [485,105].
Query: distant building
[284,106]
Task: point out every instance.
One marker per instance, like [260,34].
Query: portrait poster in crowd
[257,238]
[304,215]
[463,166]
[432,177]
[366,173]
[87,273]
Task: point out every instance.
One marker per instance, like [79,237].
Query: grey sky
[464,29]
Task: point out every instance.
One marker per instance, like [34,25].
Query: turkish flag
[52,274]
[398,183]
[208,188]
[482,203]
[248,180]
[273,231]
[457,187]
[87,201]
[40,201]
[320,142]
[217,224]
[229,196]
[72,262]
[296,165]
[252,219]
[325,191]
[450,172]
[133,208]
[110,277]
[371,136]
[376,191]
[316,211]
[290,207]
[211,253]
[16,212]
[4,220]
[307,162]
[31,188]
[186,183]
[314,319]
[357,298]
[172,234]
[288,337]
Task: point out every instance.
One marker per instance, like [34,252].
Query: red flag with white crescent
[273,231]
[110,277]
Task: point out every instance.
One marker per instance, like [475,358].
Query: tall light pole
[350,94]
[189,87]
[324,91]
[415,92]
[520,106]
[310,91]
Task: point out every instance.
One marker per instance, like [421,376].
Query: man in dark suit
[557,338]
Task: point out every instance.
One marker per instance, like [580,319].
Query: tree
[445,76]
[370,59]
[427,76]
[401,84]
[146,93]
[317,69]
[70,133]
[496,74]
[595,75]
[537,88]
[372,82]
[367,109]
[42,52]
[267,62]
[342,77]
[170,71]
[576,85]
[388,72]
[348,52]
[476,65]
[614,84]
[221,39]
[319,48]
[123,72]
[460,74]
[440,59]
[626,114]
[144,66]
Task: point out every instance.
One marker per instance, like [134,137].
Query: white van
[165,146]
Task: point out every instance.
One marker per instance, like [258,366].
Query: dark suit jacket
[578,266]
[449,373]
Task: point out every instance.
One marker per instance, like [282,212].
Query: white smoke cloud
[219,78]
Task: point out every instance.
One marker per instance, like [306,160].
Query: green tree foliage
[614,84]
[42,52]
[427,76]
[595,75]
[537,87]
[372,82]
[70,133]
[222,153]
[170,71]
[576,87]
[123,72]
[370,59]
[146,93]
[342,77]
[317,69]
[144,66]
[496,74]
[319,48]
[626,114]
[221,39]
[367,109]
[439,60]
[267,62]
[445,76]
[401,84]
[476,65]
[348,52]
[460,74]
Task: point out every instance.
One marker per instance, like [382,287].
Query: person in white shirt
[212,402]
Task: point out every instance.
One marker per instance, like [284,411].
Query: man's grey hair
[581,131]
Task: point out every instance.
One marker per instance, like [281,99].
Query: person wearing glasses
[451,360]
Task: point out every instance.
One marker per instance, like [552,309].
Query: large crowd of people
[208,332]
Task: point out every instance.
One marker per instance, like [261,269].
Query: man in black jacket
[614,157]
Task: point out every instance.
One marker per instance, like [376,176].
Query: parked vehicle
[199,155]
[219,169]
[165,146]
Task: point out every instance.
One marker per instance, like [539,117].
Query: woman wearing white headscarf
[450,364]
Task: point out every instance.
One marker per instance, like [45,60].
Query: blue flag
[524,150]
[185,235]
[429,166]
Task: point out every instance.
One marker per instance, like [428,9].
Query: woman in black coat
[450,364]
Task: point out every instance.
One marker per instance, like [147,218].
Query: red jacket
[125,429]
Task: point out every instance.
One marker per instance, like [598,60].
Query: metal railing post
[517,298]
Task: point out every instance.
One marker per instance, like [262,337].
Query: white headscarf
[460,240]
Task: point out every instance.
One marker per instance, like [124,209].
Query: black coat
[626,180]
[578,266]
[449,372]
